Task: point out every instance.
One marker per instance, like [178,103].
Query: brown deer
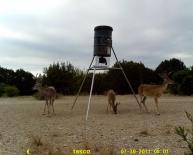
[153,90]
[111,101]
[49,94]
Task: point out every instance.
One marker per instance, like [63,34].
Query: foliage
[21,79]
[131,71]
[67,79]
[63,76]
[136,73]
[6,76]
[11,91]
[8,90]
[2,86]
[183,82]
[187,135]
[24,81]
[179,75]
[172,65]
[187,85]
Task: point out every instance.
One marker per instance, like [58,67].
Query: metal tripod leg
[126,78]
[88,106]
[91,88]
[77,95]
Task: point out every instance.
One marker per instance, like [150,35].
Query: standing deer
[153,90]
[49,94]
[111,101]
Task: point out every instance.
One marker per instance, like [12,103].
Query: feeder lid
[103,27]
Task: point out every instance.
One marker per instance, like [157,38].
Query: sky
[36,33]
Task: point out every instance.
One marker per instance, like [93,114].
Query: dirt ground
[21,119]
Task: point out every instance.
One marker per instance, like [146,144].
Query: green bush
[11,91]
[2,86]
[186,134]
[187,85]
[183,82]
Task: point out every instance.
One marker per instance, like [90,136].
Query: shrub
[183,82]
[187,85]
[2,86]
[187,135]
[11,91]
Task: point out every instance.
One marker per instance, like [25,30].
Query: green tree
[187,85]
[2,86]
[63,76]
[24,81]
[7,76]
[183,82]
[137,74]
[172,65]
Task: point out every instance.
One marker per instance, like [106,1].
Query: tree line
[66,78]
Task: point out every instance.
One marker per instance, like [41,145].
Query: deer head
[165,77]
[38,83]
[115,107]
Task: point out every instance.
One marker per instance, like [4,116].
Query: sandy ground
[21,118]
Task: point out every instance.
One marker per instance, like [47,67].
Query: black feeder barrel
[103,41]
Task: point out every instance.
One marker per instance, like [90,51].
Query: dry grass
[40,147]
[37,141]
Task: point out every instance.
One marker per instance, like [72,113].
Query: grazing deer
[49,94]
[153,90]
[111,101]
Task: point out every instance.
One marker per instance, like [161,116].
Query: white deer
[111,101]
[49,94]
[155,91]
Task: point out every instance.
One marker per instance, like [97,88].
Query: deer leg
[46,104]
[49,107]
[156,103]
[108,107]
[111,107]
[143,101]
[115,108]
[141,98]
[53,106]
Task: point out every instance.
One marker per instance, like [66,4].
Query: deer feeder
[101,55]
[102,45]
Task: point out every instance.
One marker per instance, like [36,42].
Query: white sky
[36,33]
